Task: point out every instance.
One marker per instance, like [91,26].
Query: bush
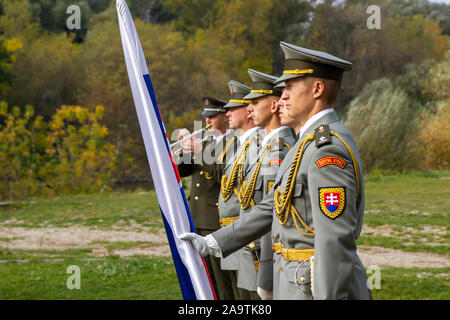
[435,138]
[79,158]
[22,146]
[434,134]
[383,123]
[67,155]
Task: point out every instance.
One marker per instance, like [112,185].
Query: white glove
[264,294]
[204,245]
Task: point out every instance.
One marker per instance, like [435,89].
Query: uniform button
[201,172]
[198,185]
[302,279]
[193,158]
[217,204]
[196,198]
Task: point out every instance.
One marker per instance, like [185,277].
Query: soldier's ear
[275,107]
[318,88]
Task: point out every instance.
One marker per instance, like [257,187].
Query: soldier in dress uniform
[204,190]
[318,194]
[255,266]
[230,171]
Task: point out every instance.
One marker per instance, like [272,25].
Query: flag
[191,269]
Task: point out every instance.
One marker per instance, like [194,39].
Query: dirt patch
[81,237]
[428,235]
[385,257]
[84,237]
[389,230]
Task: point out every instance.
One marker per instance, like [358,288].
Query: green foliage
[79,158]
[67,155]
[22,145]
[193,48]
[402,40]
[47,73]
[382,122]
[435,137]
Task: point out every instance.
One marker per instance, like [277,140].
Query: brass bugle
[180,150]
[193,134]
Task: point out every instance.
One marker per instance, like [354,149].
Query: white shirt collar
[270,135]
[219,138]
[246,134]
[313,119]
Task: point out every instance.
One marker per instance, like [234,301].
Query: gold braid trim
[246,192]
[355,164]
[224,151]
[227,184]
[283,200]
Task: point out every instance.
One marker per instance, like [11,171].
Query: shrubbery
[402,125]
[68,154]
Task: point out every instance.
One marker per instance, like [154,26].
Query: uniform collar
[313,119]
[219,138]
[247,134]
[271,134]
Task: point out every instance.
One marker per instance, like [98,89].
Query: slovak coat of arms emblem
[332,201]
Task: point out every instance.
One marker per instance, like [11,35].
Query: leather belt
[292,254]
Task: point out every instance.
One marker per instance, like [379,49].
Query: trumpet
[193,134]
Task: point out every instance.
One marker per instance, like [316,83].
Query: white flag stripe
[167,186]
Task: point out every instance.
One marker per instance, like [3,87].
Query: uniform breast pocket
[257,195]
[298,204]
[298,197]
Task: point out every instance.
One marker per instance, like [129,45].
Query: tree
[339,27]
[47,74]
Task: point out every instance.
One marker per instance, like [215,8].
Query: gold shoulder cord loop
[355,164]
[224,151]
[227,184]
[283,200]
[246,192]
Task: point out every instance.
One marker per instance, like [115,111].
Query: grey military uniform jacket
[326,177]
[260,172]
[229,205]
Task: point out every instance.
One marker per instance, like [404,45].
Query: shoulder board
[322,135]
[277,144]
[257,139]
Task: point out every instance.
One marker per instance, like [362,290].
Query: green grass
[102,210]
[111,278]
[415,205]
[408,212]
[413,284]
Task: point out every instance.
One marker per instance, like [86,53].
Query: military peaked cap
[262,85]
[238,91]
[306,62]
[213,106]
